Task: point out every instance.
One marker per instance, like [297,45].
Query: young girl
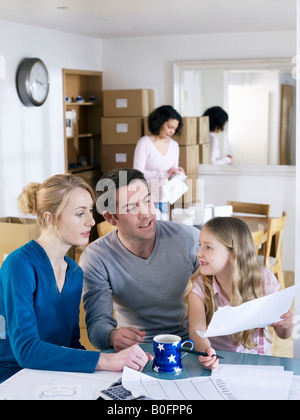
[40,288]
[229,275]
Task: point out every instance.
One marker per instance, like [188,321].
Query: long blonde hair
[51,196]
[247,284]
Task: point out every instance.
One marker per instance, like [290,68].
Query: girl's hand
[287,322]
[209,362]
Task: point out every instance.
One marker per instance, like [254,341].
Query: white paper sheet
[257,313]
[198,388]
[294,393]
[175,188]
[31,384]
[250,382]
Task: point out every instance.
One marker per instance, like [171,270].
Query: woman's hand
[209,362]
[133,357]
[174,171]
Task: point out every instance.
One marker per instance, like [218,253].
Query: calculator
[117,392]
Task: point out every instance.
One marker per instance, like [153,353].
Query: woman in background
[157,155]
[40,287]
[218,119]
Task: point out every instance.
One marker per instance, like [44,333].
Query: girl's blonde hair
[247,285]
[51,196]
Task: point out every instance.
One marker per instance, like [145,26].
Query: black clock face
[32,82]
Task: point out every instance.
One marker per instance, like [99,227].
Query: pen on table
[199,353]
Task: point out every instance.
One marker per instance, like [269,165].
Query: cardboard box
[116,156]
[146,131]
[204,153]
[191,196]
[14,234]
[128,103]
[188,134]
[122,130]
[189,159]
[203,130]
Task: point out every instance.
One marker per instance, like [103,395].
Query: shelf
[84,168]
[83,121]
[83,103]
[85,135]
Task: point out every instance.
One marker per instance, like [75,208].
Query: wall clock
[32,82]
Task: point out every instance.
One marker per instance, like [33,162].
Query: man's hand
[125,337]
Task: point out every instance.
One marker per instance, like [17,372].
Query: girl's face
[76,220]
[214,257]
[168,129]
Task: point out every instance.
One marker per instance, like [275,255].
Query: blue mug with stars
[167,353]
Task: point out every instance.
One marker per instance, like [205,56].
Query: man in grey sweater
[141,269]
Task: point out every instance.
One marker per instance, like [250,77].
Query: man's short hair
[110,182]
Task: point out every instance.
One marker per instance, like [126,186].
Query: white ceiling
[137,18]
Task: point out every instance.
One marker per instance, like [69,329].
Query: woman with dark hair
[218,118]
[157,155]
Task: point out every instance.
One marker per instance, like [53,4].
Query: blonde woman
[40,287]
[229,275]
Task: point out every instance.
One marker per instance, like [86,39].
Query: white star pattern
[172,358]
[160,347]
[177,369]
[156,368]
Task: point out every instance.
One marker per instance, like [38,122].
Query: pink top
[154,165]
[271,285]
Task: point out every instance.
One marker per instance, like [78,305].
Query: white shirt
[215,158]
[154,165]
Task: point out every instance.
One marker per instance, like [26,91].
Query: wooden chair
[250,208]
[273,249]
[104,228]
[258,238]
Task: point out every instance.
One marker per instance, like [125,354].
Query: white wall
[135,63]
[31,139]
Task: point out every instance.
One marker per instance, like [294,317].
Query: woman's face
[76,220]
[168,129]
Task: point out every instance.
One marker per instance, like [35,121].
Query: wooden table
[256,223]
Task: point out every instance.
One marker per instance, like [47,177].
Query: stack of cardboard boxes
[124,122]
[203,139]
[194,149]
[122,125]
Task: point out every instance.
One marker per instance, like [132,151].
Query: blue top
[41,323]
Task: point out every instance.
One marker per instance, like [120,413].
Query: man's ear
[110,218]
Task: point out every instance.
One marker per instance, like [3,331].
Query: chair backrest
[104,227]
[258,238]
[274,238]
[250,208]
